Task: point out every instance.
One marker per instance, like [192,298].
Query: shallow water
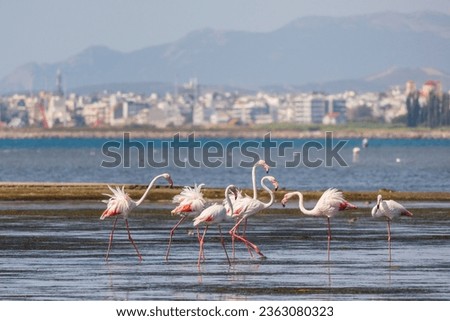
[57,253]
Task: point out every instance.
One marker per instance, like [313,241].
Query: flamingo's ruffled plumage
[190,201]
[119,203]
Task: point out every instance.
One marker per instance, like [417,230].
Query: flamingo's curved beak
[275,184]
[170,182]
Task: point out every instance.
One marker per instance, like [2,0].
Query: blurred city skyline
[48,31]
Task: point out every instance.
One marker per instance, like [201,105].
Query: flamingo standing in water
[190,203]
[215,215]
[389,209]
[250,206]
[238,204]
[330,203]
[120,204]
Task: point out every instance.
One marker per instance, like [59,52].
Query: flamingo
[389,209]
[251,206]
[239,197]
[120,204]
[237,204]
[330,203]
[190,203]
[215,215]
[266,167]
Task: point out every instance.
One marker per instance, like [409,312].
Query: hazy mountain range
[365,52]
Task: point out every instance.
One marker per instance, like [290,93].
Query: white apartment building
[309,109]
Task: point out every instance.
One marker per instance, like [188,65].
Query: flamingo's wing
[249,206]
[212,214]
[240,205]
[189,193]
[189,206]
[331,200]
[118,203]
[395,209]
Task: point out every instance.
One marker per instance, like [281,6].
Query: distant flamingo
[190,203]
[215,215]
[120,204]
[330,203]
[250,206]
[389,209]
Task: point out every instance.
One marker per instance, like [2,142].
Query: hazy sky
[47,31]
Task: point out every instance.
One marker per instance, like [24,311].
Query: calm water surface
[55,251]
[397,164]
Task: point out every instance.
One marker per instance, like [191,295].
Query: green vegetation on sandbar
[94,191]
[278,130]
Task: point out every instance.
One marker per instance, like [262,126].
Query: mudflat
[31,191]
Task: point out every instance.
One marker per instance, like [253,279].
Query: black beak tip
[284,205]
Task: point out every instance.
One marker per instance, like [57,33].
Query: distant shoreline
[237,132]
[36,191]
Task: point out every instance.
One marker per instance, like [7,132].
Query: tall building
[309,109]
[59,86]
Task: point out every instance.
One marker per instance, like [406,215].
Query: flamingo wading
[389,209]
[251,207]
[238,202]
[330,203]
[190,203]
[120,204]
[215,215]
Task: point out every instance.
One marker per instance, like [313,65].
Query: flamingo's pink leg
[202,241]
[223,245]
[243,239]
[131,240]
[243,235]
[111,235]
[172,231]
[389,229]
[329,229]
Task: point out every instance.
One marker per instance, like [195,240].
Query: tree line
[433,111]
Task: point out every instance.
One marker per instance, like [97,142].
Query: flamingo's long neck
[254,181]
[268,190]
[379,201]
[148,189]
[230,204]
[301,206]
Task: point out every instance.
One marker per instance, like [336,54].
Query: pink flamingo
[250,206]
[330,203]
[389,209]
[190,203]
[120,204]
[237,203]
[215,215]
